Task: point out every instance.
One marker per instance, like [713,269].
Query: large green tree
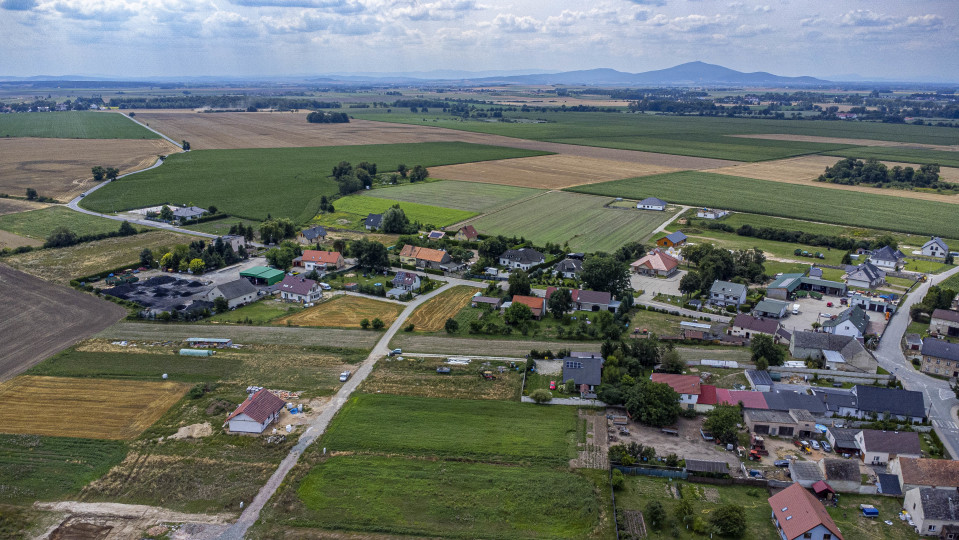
[653,404]
[370,254]
[605,273]
[729,520]
[763,346]
[519,283]
[395,220]
[61,237]
[559,303]
[722,421]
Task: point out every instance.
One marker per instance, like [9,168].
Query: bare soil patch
[10,240]
[805,169]
[418,377]
[15,206]
[60,168]
[594,452]
[547,172]
[840,140]
[688,445]
[38,319]
[345,311]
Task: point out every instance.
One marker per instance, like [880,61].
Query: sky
[912,40]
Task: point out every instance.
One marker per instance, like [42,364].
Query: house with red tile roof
[687,386]
[656,263]
[710,396]
[422,257]
[256,413]
[467,233]
[321,261]
[536,304]
[798,514]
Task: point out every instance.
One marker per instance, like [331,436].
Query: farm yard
[60,168]
[411,376]
[69,407]
[73,125]
[344,311]
[788,200]
[299,177]
[352,211]
[555,171]
[38,224]
[583,221]
[431,316]
[469,196]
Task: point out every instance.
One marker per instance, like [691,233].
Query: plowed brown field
[10,240]
[431,316]
[805,169]
[88,408]
[60,168]
[15,206]
[345,312]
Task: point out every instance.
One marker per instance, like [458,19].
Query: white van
[795,309]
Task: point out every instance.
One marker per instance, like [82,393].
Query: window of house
[826,536]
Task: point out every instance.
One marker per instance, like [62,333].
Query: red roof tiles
[260,406]
[798,511]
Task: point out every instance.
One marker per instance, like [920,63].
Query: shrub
[365,324]
[409,327]
[377,324]
[541,395]
[618,479]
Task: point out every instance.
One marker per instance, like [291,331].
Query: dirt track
[38,319]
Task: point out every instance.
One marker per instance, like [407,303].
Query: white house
[931,509]
[865,276]
[711,213]
[852,321]
[887,258]
[523,258]
[237,292]
[299,289]
[652,203]
[878,447]
[935,247]
[256,413]
[725,293]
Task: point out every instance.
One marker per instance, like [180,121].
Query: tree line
[64,237]
[352,179]
[802,237]
[851,172]
[326,117]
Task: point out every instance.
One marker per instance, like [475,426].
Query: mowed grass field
[344,311]
[351,212]
[582,221]
[40,223]
[73,125]
[469,196]
[282,182]
[414,376]
[69,407]
[788,200]
[35,468]
[431,316]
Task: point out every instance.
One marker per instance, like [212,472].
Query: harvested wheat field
[431,316]
[546,172]
[841,140]
[10,240]
[15,206]
[805,169]
[345,311]
[418,377]
[60,168]
[87,408]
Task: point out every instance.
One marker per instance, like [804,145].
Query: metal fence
[661,472]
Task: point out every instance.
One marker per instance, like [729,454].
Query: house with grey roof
[523,258]
[814,272]
[944,322]
[568,268]
[311,235]
[843,441]
[865,276]
[805,473]
[672,240]
[767,307]
[652,203]
[373,222]
[586,372]
[935,247]
[852,322]
[940,357]
[906,405]
[747,326]
[237,292]
[879,447]
[887,258]
[187,213]
[932,510]
[726,293]
[850,354]
[841,474]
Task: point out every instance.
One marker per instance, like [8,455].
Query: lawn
[926,266]
[466,500]
[354,210]
[904,155]
[282,182]
[784,250]
[410,376]
[582,221]
[40,223]
[344,311]
[222,226]
[73,125]
[854,526]
[35,468]
[485,430]
[469,196]
[257,314]
[951,283]
[788,200]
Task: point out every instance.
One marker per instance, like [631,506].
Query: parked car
[781,463]
[825,446]
[828,304]
[344,376]
[396,352]
[755,473]
[814,444]
[325,286]
[552,385]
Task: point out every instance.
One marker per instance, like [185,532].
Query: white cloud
[864,17]
[508,22]
[442,10]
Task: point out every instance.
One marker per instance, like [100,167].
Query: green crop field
[563,217]
[73,125]
[36,468]
[904,155]
[471,196]
[222,226]
[486,430]
[683,135]
[466,500]
[111,365]
[40,223]
[951,283]
[355,208]
[788,200]
[282,182]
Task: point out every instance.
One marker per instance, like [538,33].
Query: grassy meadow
[788,200]
[354,209]
[282,182]
[73,125]
[40,223]
[469,196]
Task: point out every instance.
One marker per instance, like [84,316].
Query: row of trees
[326,117]
[937,298]
[197,256]
[712,263]
[100,172]
[64,237]
[851,171]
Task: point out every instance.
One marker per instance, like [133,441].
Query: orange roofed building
[422,257]
[321,261]
[687,386]
[656,263]
[536,304]
[798,514]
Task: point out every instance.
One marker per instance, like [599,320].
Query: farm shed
[263,275]
[209,342]
[775,309]
[196,352]
[805,473]
[842,474]
[944,322]
[843,440]
[478,301]
[926,472]
[709,467]
[759,380]
[256,413]
[931,509]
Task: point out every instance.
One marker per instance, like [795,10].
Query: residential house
[568,268]
[940,357]
[711,213]
[311,235]
[926,473]
[932,510]
[841,474]
[234,241]
[864,276]
[905,405]
[422,257]
[878,447]
[408,281]
[536,304]
[589,300]
[783,287]
[725,293]
[585,372]
[652,203]
[799,515]
[887,258]
[747,326]
[768,307]
[805,473]
[843,441]
[187,213]
[467,234]
[791,423]
[687,386]
[836,401]
[321,261]
[436,235]
[256,413]
[672,240]
[944,322]
[373,222]
[523,258]
[710,396]
[840,352]
[299,289]
[656,263]
[935,247]
[851,322]
[788,401]
[237,292]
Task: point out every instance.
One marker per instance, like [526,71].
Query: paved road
[940,400]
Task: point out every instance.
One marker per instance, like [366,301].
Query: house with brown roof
[944,322]
[687,386]
[878,447]
[589,300]
[656,263]
[422,257]
[321,261]
[798,514]
[747,326]
[299,289]
[467,234]
[256,413]
[924,472]
[536,304]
